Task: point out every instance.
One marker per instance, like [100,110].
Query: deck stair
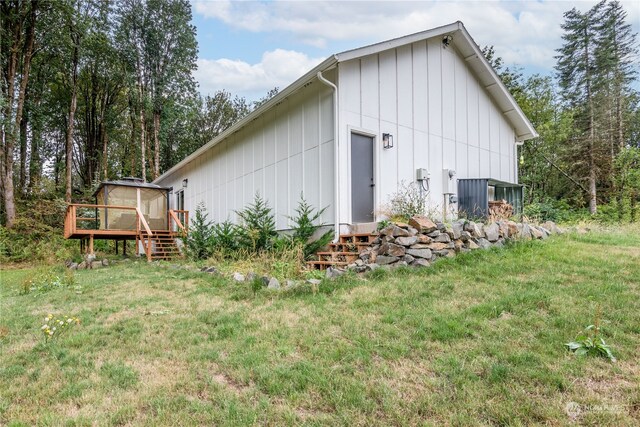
[163,244]
[344,252]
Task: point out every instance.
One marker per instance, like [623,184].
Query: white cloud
[526,33]
[277,68]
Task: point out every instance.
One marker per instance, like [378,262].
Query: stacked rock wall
[422,241]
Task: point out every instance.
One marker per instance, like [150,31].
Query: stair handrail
[147,229]
[175,218]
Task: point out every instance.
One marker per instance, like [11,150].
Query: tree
[17,40]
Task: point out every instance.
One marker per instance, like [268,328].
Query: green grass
[473,340]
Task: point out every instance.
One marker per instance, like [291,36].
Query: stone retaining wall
[422,241]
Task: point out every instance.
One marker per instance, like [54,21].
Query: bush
[226,237]
[410,200]
[258,225]
[31,240]
[304,228]
[199,241]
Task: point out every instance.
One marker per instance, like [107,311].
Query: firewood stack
[500,209]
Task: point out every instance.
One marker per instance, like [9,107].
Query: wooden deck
[82,222]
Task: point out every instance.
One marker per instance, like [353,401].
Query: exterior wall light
[185,182]
[387,140]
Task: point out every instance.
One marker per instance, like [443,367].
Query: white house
[432,95]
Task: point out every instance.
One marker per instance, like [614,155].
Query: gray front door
[362,183]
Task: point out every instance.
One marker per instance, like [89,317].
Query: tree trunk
[143,166]
[35,168]
[105,159]
[11,136]
[72,112]
[156,144]
[22,179]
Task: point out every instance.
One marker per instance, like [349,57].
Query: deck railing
[179,220]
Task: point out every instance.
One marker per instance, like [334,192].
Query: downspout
[336,232]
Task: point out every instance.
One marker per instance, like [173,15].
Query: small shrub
[258,225]
[305,226]
[226,236]
[199,241]
[410,200]
[47,279]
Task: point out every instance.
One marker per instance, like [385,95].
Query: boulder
[421,246]
[442,238]
[412,231]
[513,229]
[472,245]
[333,272]
[73,266]
[372,267]
[504,229]
[535,232]
[406,241]
[238,277]
[387,231]
[401,224]
[422,224]
[465,236]
[456,230]
[492,232]
[274,284]
[524,231]
[420,262]
[400,263]
[458,245]
[408,259]
[313,282]
[484,243]
[551,227]
[434,234]
[265,280]
[385,260]
[422,238]
[105,262]
[96,264]
[420,253]
[438,246]
[474,229]
[82,266]
[400,232]
[290,284]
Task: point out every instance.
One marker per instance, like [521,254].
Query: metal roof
[461,40]
[130,183]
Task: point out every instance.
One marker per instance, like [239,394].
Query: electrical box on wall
[449,182]
[422,174]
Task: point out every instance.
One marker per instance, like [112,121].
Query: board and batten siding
[436,110]
[285,152]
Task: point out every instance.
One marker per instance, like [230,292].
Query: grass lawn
[477,340]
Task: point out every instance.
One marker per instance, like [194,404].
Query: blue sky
[249,47]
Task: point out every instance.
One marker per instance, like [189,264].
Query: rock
[387,231]
[82,265]
[400,232]
[441,227]
[384,260]
[438,246]
[419,263]
[290,284]
[73,266]
[458,245]
[513,229]
[265,280]
[422,224]
[238,277]
[96,264]
[434,234]
[420,253]
[524,231]
[465,236]
[484,243]
[456,229]
[251,276]
[372,267]
[313,282]
[395,250]
[474,229]
[105,262]
[408,259]
[210,270]
[274,284]
[401,224]
[406,241]
[412,231]
[359,262]
[492,232]
[333,272]
[352,266]
[504,229]
[421,246]
[472,245]
[535,232]
[552,227]
[423,238]
[400,263]
[442,238]
[499,244]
